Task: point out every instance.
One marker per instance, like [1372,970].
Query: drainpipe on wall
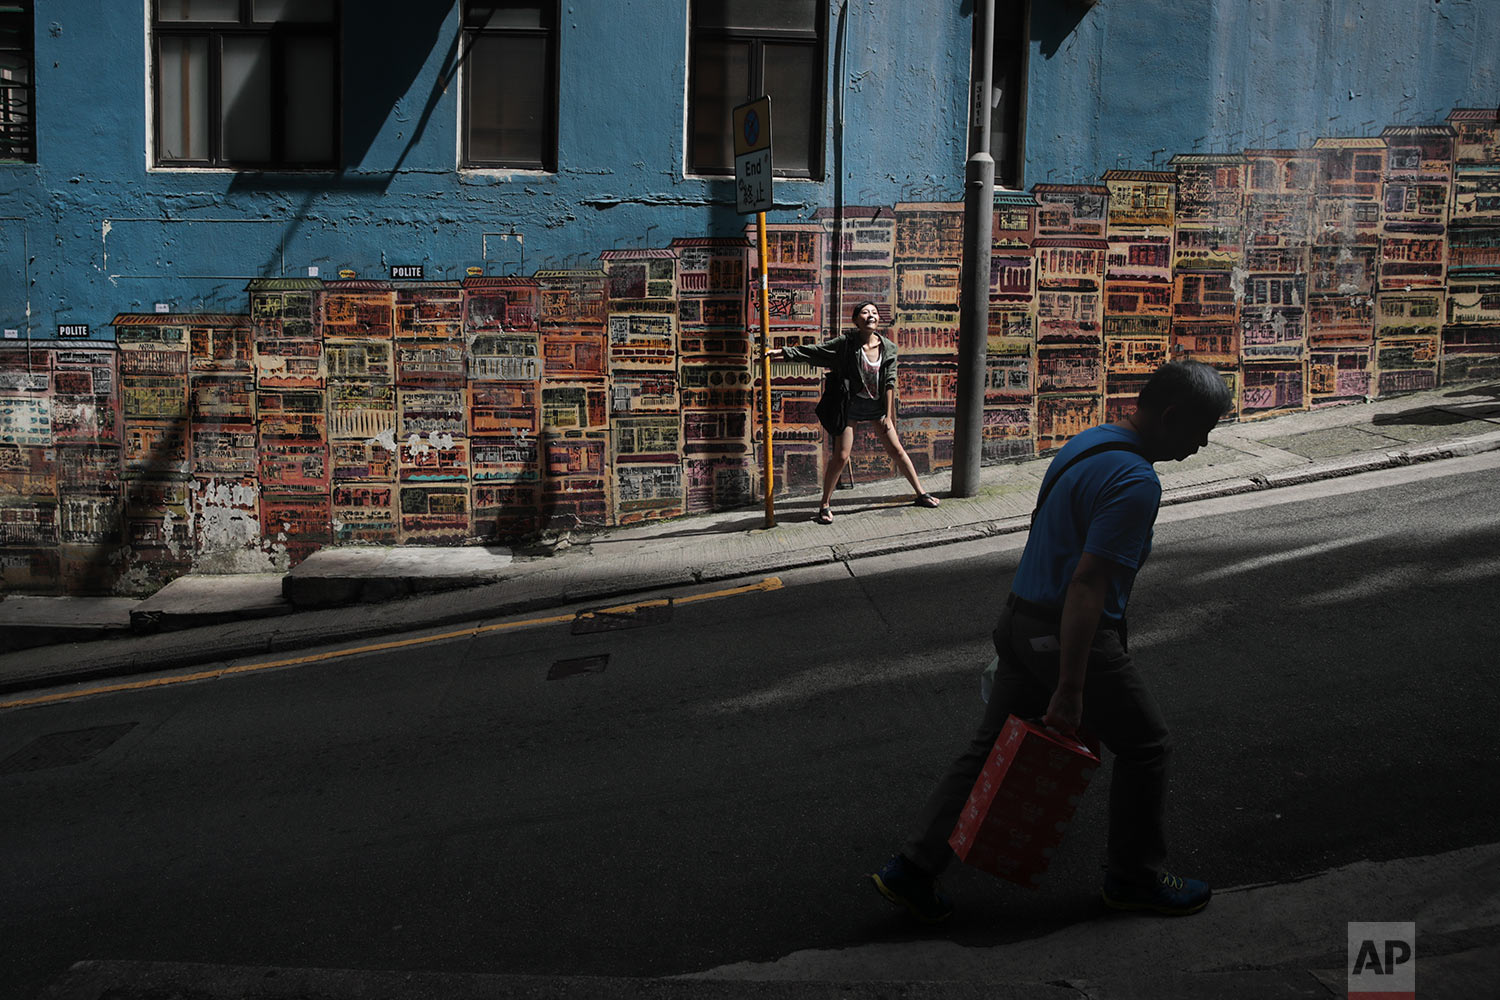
[835,314]
[974,309]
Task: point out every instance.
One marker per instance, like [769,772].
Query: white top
[869,374]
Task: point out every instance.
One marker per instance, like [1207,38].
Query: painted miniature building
[1010,349]
[1471,331]
[1137,282]
[1342,268]
[1208,260]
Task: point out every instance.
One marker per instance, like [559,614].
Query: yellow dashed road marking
[768,584]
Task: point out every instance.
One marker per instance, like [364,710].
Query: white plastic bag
[987,678]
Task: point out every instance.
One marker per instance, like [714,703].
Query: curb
[1338,468]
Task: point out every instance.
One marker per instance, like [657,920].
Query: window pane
[310,89]
[801,15]
[15,82]
[521,14]
[794,110]
[1005,119]
[15,68]
[15,105]
[198,10]
[1010,88]
[182,103]
[721,82]
[246,93]
[293,10]
[508,100]
[15,28]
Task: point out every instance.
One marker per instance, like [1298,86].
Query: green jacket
[838,355]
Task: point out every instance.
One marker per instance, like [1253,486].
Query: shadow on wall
[382,67]
[379,70]
[1052,23]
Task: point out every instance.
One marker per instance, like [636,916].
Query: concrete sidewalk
[1272,942]
[202,619]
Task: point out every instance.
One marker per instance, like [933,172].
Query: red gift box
[1022,802]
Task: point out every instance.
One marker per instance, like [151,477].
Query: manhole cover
[579,665]
[62,749]
[615,619]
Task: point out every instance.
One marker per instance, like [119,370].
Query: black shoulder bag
[833,408]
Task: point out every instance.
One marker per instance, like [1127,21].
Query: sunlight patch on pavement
[1275,558]
[1371,586]
[1473,572]
[834,677]
[1404,578]
[1187,624]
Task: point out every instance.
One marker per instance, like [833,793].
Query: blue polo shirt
[1106,505]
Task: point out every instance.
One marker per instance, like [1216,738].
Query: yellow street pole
[765,368]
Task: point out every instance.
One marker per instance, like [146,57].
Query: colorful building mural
[411,292]
[384,411]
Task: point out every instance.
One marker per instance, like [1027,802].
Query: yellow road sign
[752,156]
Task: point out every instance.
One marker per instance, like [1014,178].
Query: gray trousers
[1117,709]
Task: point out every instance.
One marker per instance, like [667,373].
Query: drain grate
[579,665]
[616,619]
[62,749]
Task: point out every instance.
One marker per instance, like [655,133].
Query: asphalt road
[714,792]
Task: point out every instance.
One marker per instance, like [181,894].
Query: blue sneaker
[903,884]
[1170,895]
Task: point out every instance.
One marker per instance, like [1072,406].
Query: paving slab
[205,599]
[1436,425]
[334,576]
[1334,441]
[26,622]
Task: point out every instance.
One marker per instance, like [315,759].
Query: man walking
[1061,642]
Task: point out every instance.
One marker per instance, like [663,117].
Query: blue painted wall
[1114,84]
[89,231]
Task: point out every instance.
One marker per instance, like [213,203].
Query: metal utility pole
[765,370]
[750,124]
[974,309]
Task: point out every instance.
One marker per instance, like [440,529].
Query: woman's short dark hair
[1192,385]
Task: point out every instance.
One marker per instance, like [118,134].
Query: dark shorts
[865,408]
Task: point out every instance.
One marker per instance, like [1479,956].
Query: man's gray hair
[1192,385]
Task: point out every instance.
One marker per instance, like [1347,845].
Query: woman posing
[866,362]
